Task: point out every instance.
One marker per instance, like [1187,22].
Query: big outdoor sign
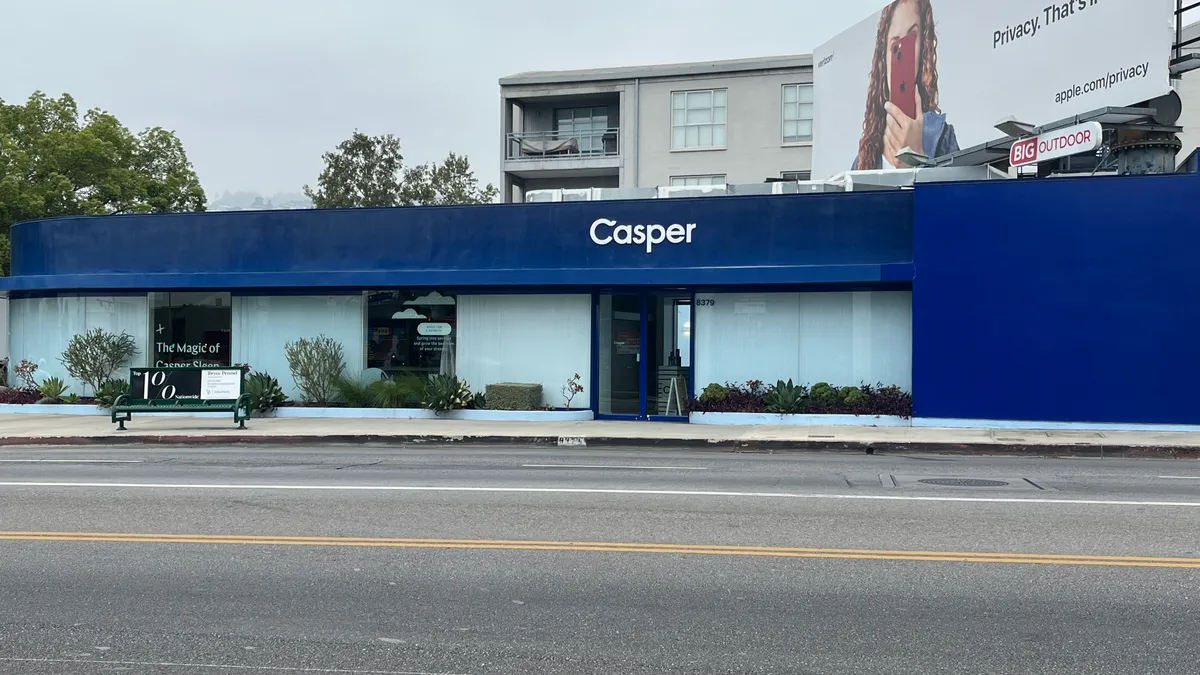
[937,75]
[1074,140]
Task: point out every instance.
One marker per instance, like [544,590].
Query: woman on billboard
[902,96]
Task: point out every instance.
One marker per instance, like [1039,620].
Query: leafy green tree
[451,182]
[363,171]
[52,165]
[368,171]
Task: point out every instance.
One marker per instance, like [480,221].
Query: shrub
[853,396]
[825,397]
[52,389]
[264,392]
[822,398]
[714,393]
[446,392]
[25,371]
[21,395]
[514,396]
[355,393]
[106,395]
[855,401]
[572,389]
[92,357]
[479,402]
[399,391]
[316,365]
[71,399]
[746,398]
[786,398]
[891,400]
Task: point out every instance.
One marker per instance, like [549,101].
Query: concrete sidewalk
[176,429]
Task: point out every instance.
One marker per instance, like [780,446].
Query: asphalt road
[501,560]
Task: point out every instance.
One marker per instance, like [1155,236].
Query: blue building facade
[1058,300]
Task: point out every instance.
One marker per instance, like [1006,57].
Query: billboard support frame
[1137,120]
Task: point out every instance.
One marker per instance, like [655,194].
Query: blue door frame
[643,359]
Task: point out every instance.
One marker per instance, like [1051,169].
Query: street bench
[183,390]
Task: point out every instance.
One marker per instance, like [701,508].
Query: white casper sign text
[605,231]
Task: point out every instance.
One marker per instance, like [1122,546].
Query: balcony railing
[562,144]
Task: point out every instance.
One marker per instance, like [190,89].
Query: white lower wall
[526,338]
[263,325]
[843,338]
[3,328]
[41,328]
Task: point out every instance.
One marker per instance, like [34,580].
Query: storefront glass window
[190,329]
[412,332]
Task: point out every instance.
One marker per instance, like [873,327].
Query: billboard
[937,75]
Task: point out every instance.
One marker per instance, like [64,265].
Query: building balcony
[542,145]
[563,153]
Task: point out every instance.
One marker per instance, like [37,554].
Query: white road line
[222,666]
[612,466]
[1182,477]
[611,491]
[72,461]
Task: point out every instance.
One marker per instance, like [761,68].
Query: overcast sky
[258,89]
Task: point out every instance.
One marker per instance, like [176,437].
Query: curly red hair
[870,145]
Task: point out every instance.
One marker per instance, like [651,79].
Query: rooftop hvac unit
[540,196]
[668,191]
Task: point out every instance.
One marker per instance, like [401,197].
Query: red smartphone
[902,90]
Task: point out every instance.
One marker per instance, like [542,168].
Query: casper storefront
[644,299]
[1066,301]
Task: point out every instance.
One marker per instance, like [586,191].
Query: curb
[765,446]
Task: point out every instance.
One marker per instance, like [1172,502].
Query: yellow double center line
[611,547]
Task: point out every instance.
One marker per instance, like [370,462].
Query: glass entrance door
[669,354]
[644,355]
[619,321]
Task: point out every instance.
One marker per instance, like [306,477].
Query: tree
[92,357]
[368,171]
[451,183]
[363,171]
[52,165]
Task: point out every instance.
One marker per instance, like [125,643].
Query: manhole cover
[963,482]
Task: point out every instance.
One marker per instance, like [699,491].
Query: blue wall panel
[837,238]
[1073,300]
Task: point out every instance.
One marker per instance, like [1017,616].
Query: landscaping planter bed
[422,414]
[738,419]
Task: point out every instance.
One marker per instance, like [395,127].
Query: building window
[698,119]
[589,125]
[797,113]
[411,332]
[191,329]
[698,181]
[795,175]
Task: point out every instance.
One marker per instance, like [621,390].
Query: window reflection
[411,331]
[190,329]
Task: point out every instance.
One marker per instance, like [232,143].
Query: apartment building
[1187,86]
[690,124]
